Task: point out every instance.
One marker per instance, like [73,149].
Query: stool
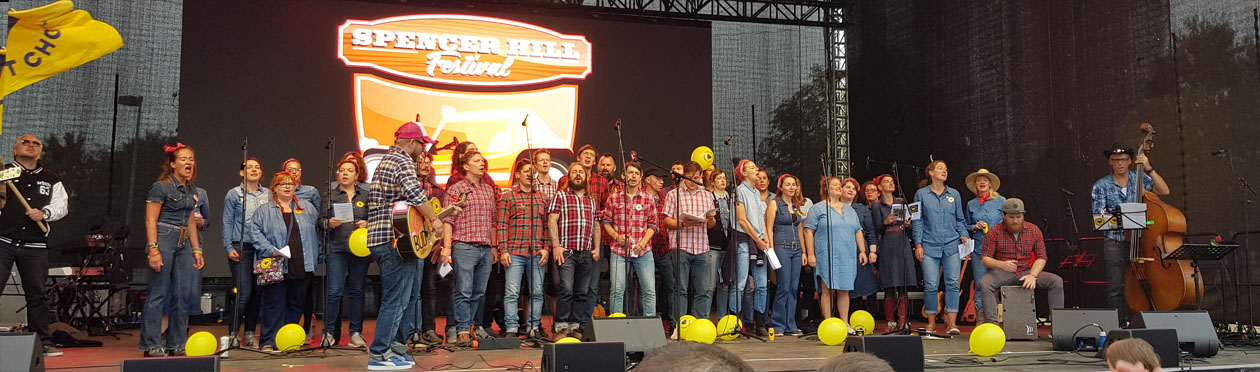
[1018,311]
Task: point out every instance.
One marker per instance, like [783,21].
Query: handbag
[270,270]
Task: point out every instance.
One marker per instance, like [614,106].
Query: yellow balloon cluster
[200,344]
[863,321]
[987,340]
[832,331]
[702,331]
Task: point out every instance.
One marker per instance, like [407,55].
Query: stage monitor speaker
[640,334]
[1068,321]
[584,356]
[1195,332]
[21,352]
[903,353]
[181,364]
[1164,341]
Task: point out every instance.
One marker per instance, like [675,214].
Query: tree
[799,134]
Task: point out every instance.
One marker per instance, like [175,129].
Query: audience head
[692,357]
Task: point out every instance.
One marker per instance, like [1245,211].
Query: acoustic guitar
[414,237]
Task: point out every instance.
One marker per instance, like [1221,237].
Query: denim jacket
[943,221]
[269,233]
[232,214]
[990,212]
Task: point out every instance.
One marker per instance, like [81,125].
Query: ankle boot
[760,320]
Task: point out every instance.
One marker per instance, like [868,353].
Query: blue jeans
[412,314]
[282,302]
[759,282]
[347,274]
[512,292]
[248,296]
[696,269]
[932,266]
[977,273]
[177,259]
[645,266]
[575,279]
[722,293]
[592,299]
[397,278]
[472,272]
[666,268]
[783,316]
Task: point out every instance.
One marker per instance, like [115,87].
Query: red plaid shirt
[694,239]
[631,217]
[475,224]
[521,222]
[1003,246]
[596,186]
[576,227]
[660,241]
[547,188]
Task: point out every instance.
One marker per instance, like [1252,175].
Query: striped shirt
[394,181]
[576,227]
[694,239]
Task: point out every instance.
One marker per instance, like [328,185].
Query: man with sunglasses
[22,240]
[1121,187]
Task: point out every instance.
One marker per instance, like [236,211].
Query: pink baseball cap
[412,129]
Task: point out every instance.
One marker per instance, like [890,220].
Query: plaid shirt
[630,217]
[1003,246]
[475,224]
[394,181]
[694,239]
[1107,196]
[522,222]
[547,188]
[576,227]
[660,241]
[596,186]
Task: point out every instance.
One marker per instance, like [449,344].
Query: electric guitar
[414,237]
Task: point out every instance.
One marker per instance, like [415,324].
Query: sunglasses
[32,143]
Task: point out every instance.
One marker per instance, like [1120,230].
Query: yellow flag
[47,40]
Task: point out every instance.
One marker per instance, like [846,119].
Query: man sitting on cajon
[1015,253]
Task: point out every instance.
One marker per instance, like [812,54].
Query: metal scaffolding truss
[787,12]
[838,100]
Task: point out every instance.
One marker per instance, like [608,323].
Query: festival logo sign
[464,50]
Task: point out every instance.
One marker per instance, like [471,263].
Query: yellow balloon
[702,155]
[617,315]
[832,331]
[200,344]
[863,321]
[987,340]
[568,340]
[729,327]
[290,337]
[683,324]
[358,242]
[702,331]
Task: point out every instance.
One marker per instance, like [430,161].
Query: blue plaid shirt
[1108,195]
[394,181]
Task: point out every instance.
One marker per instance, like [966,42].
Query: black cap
[1117,149]
[655,171]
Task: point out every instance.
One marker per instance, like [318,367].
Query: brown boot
[901,312]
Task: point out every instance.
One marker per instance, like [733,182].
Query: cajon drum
[1019,313]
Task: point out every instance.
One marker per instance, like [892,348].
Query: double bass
[1153,282]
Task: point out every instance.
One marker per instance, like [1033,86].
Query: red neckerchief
[985,198]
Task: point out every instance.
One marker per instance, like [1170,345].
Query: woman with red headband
[174,250]
[784,213]
[750,233]
[896,263]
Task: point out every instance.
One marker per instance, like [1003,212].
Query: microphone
[728,140]
[1066,191]
[329,144]
[245,144]
[868,163]
[1219,152]
[634,156]
[617,125]
[524,120]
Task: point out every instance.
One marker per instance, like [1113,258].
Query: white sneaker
[674,336]
[356,340]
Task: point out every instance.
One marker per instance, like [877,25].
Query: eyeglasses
[286,184]
[31,143]
[292,169]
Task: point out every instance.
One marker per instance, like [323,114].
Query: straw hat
[994,181]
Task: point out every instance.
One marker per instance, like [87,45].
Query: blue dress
[835,244]
[866,283]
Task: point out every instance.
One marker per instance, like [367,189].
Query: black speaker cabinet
[21,352]
[1069,321]
[1164,341]
[181,364]
[903,353]
[1195,333]
[640,334]
[584,356]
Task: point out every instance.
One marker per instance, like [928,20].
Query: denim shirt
[232,214]
[204,208]
[269,233]
[990,212]
[308,193]
[866,218]
[339,238]
[942,222]
[178,201]
[1107,195]
[754,209]
[785,223]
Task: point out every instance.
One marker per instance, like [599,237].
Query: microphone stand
[328,179]
[1076,264]
[233,343]
[625,217]
[1243,188]
[529,260]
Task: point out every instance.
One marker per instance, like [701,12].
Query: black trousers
[32,265]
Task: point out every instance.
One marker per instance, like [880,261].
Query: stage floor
[783,354]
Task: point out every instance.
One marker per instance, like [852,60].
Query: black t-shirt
[297,263]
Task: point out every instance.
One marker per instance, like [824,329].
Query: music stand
[1200,252]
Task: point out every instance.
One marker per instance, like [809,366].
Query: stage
[783,354]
